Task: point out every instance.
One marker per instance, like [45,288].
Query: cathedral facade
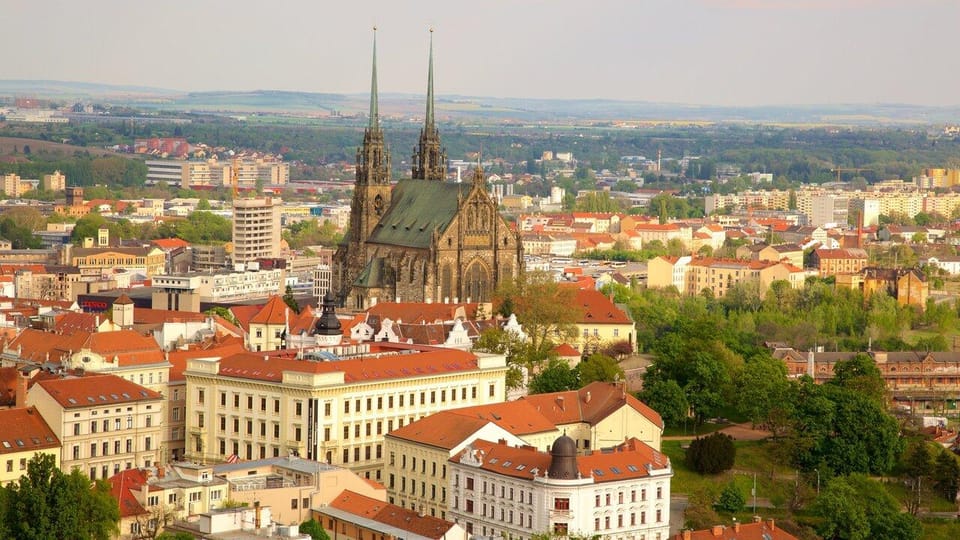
[424,239]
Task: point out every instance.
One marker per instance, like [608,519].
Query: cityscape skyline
[711,52]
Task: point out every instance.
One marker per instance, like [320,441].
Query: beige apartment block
[256,406]
[105,423]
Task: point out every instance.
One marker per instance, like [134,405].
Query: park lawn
[930,501]
[940,530]
[752,456]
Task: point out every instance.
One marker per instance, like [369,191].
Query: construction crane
[838,170]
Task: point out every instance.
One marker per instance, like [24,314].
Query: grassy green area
[940,530]
[774,482]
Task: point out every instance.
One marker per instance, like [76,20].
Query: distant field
[9,144]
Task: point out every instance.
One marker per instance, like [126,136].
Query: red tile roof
[445,429]
[599,309]
[126,347]
[95,391]
[122,486]
[24,430]
[764,530]
[566,350]
[391,515]
[275,311]
[517,417]
[170,243]
[626,461]
[159,316]
[590,404]
[8,386]
[422,312]
[429,362]
[227,346]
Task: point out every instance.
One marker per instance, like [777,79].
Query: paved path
[740,432]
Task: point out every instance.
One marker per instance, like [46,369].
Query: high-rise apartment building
[256,229]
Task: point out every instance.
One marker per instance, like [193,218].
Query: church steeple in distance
[373,161]
[429,158]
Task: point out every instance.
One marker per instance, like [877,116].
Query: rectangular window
[659,516]
[561,503]
[276,406]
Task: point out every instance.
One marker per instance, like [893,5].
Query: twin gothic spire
[429,157]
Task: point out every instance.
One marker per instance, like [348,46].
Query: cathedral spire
[429,157]
[374,103]
[429,118]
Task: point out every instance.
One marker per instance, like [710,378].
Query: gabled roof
[566,350]
[160,316]
[417,208]
[518,417]
[170,243]
[597,308]
[445,429]
[95,391]
[590,404]
[24,430]
[274,312]
[122,486]
[390,515]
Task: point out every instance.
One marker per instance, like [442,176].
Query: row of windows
[608,498]
[117,424]
[105,469]
[620,525]
[423,489]
[423,465]
[118,448]
[489,511]
[261,402]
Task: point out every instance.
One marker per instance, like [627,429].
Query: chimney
[161,472]
[586,398]
[21,390]
[560,402]
[686,534]
[736,526]
[717,530]
[772,525]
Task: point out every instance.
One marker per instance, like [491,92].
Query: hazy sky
[726,52]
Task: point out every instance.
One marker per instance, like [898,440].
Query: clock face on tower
[378,205]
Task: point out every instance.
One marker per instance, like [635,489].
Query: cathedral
[424,239]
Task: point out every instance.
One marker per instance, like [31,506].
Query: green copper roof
[416,209]
[373,274]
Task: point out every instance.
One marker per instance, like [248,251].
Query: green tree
[761,389]
[599,367]
[731,500]
[203,204]
[47,503]
[557,376]
[862,375]
[712,454]
[946,474]
[544,307]
[520,354]
[290,301]
[843,515]
[668,399]
[314,529]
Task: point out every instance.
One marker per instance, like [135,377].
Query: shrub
[712,454]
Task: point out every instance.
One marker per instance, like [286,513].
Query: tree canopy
[48,503]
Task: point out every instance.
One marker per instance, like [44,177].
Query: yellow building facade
[255,406]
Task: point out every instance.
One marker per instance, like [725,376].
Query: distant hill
[479,108]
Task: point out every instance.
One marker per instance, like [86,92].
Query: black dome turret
[563,461]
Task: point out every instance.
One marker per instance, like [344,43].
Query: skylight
[598,472]
[615,470]
[632,468]
[6,444]
[521,467]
